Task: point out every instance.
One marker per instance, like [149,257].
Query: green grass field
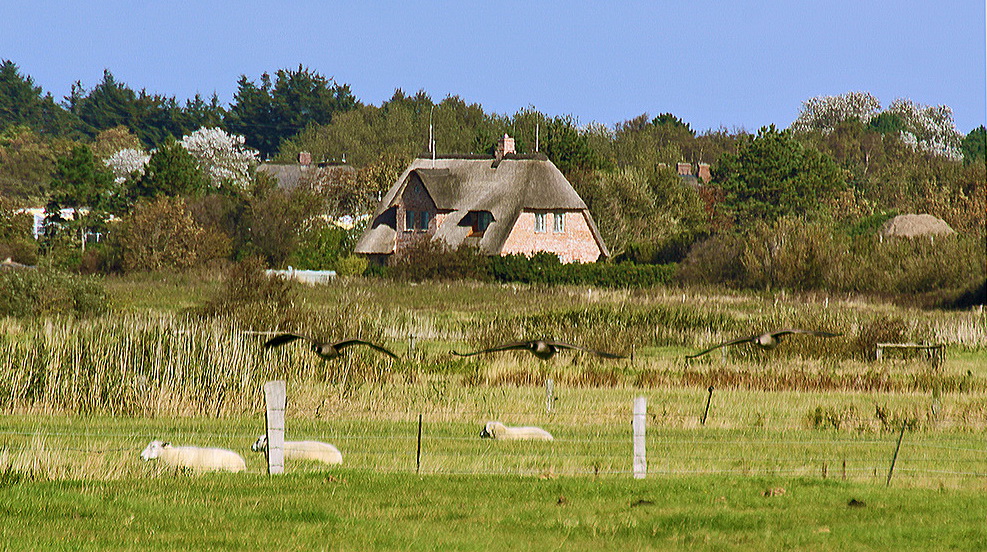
[817,418]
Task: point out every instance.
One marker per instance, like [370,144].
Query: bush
[25,293]
[351,265]
[434,260]
[161,234]
[713,261]
[545,268]
[254,299]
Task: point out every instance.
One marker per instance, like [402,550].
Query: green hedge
[545,268]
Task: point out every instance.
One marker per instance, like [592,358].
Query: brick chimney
[684,169]
[505,145]
[704,173]
[304,158]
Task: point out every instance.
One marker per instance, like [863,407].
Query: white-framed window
[540,222]
[409,221]
[559,223]
[423,221]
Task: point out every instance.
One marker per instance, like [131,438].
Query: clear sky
[730,63]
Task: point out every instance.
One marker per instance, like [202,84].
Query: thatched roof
[913,226]
[504,188]
[289,176]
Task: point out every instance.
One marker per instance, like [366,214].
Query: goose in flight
[541,348]
[327,351]
[768,340]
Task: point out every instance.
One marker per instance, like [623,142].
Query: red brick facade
[575,243]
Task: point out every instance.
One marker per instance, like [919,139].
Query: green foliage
[790,254]
[351,265]
[172,171]
[278,219]
[16,239]
[428,259]
[773,175]
[160,234]
[545,268]
[22,104]
[26,164]
[974,146]
[252,299]
[322,246]
[270,113]
[35,292]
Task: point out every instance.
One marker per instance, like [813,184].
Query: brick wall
[415,198]
[576,243]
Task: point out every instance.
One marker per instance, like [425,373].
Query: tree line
[844,166]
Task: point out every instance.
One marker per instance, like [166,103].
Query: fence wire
[585,444]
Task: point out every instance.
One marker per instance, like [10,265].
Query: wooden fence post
[275,395]
[549,395]
[640,453]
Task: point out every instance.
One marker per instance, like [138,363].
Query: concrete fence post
[276,396]
[640,458]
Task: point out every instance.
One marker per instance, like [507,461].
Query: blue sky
[735,64]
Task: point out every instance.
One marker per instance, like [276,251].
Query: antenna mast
[431,139]
[536,137]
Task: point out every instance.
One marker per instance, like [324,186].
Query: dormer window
[479,222]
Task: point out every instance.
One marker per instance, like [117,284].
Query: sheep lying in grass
[497,430]
[195,458]
[303,450]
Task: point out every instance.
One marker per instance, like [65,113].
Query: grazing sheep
[195,458]
[497,430]
[304,450]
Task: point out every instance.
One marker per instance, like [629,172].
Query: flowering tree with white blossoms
[222,156]
[826,112]
[127,162]
[928,128]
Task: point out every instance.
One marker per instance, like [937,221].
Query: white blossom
[224,156]
[127,162]
[928,128]
[825,113]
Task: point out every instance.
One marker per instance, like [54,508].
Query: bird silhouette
[768,340]
[541,348]
[327,351]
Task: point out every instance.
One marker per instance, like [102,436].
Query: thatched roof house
[504,204]
[914,226]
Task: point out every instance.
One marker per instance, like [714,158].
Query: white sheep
[497,430]
[195,458]
[304,450]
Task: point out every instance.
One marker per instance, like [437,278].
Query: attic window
[481,221]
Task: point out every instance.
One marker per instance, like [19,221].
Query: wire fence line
[596,447]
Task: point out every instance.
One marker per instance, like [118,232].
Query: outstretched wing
[604,354]
[724,344]
[347,343]
[508,347]
[282,339]
[807,332]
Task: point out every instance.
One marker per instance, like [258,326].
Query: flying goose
[327,351]
[541,348]
[768,340]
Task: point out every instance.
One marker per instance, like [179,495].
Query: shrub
[713,261]
[161,234]
[254,299]
[428,259]
[25,293]
[545,268]
[351,265]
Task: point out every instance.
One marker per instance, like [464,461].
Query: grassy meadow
[819,418]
